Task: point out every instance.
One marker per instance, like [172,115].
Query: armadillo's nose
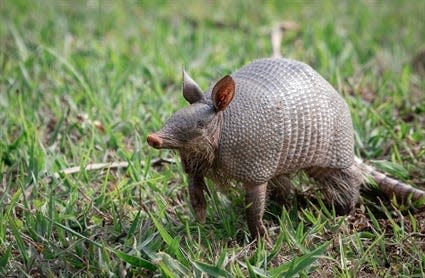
[154,141]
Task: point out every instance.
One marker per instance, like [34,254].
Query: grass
[85,82]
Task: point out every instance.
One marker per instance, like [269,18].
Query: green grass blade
[135,261]
[394,169]
[298,264]
[23,250]
[4,258]
[173,243]
[211,270]
[167,263]
[134,225]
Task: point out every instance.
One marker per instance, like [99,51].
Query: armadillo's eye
[200,124]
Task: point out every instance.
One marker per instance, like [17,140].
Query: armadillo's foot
[201,214]
[255,199]
[259,231]
[344,209]
[261,234]
[197,198]
[340,186]
[281,190]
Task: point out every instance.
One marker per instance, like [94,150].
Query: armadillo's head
[199,123]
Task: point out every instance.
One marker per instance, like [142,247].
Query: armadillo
[258,126]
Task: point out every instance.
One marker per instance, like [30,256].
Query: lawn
[84,82]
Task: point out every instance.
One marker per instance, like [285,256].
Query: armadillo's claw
[201,214]
[200,208]
[199,204]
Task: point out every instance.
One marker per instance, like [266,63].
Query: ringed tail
[389,186]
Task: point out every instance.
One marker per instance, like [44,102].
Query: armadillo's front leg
[255,200]
[197,187]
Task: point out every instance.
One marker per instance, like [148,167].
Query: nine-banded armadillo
[271,118]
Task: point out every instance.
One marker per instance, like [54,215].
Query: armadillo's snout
[154,141]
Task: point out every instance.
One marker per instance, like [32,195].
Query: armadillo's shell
[284,117]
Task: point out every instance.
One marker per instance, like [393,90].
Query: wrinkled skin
[194,133]
[186,126]
[191,136]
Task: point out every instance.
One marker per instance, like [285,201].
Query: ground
[84,82]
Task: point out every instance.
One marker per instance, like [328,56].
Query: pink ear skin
[223,92]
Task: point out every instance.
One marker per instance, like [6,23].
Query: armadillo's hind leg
[280,189]
[340,186]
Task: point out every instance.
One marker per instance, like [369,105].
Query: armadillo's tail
[391,187]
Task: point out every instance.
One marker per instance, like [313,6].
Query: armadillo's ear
[223,92]
[191,91]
